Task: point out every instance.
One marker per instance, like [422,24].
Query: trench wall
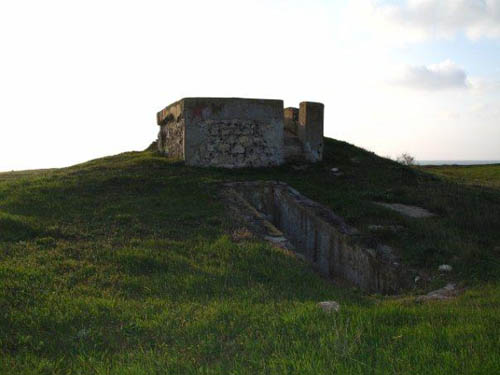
[324,239]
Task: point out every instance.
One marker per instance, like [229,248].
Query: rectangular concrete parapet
[223,132]
[310,130]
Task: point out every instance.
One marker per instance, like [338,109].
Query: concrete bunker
[281,214]
[237,132]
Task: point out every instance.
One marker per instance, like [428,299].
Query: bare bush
[406,159]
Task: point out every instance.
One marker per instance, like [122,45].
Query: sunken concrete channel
[279,213]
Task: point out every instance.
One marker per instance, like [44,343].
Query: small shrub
[406,159]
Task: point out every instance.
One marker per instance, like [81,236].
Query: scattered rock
[329,306]
[406,210]
[276,240]
[445,268]
[447,292]
[336,172]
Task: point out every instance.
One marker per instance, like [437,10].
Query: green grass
[28,173]
[127,265]
[479,175]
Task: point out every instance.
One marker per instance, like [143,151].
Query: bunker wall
[233,132]
[237,132]
[171,137]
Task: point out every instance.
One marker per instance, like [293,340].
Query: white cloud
[481,86]
[442,76]
[420,20]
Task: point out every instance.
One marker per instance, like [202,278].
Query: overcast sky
[84,79]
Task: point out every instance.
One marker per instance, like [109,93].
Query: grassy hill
[130,265]
[477,175]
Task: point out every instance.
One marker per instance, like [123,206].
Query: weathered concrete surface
[293,147]
[172,130]
[234,132]
[224,132]
[406,210]
[291,118]
[237,132]
[310,130]
[322,238]
[444,293]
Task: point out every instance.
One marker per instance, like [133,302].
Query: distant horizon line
[423,162]
[457,161]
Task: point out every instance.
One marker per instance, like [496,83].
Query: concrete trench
[283,216]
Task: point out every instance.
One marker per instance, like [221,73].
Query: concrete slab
[406,210]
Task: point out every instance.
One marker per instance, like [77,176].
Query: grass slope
[127,265]
[478,175]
